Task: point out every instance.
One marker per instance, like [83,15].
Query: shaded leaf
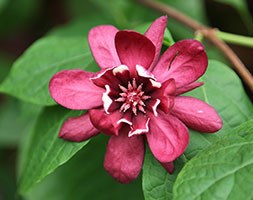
[16,118]
[7,177]
[59,50]
[125,14]
[223,90]
[5,63]
[46,151]
[84,177]
[167,40]
[157,183]
[194,9]
[222,171]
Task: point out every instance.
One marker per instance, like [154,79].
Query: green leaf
[222,171]
[16,118]
[125,14]
[31,73]
[5,63]
[84,177]
[224,91]
[242,8]
[46,151]
[2,4]
[157,183]
[194,9]
[167,38]
[7,175]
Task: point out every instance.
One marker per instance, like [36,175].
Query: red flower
[135,97]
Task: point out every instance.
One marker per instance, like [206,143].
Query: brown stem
[208,33]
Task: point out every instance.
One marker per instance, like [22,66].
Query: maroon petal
[134,49]
[169,166]
[189,87]
[109,104]
[185,61]
[166,94]
[143,72]
[112,77]
[105,77]
[155,34]
[78,129]
[197,114]
[101,41]
[106,123]
[140,125]
[168,137]
[73,89]
[124,157]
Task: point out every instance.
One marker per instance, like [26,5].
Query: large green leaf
[16,117]
[46,151]
[62,49]
[157,183]
[224,91]
[84,177]
[222,171]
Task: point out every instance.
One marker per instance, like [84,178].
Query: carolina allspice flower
[136,97]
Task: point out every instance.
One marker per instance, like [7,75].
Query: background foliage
[39,38]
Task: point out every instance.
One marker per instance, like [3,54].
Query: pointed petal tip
[189,87]
[216,125]
[200,48]
[169,167]
[66,136]
[163,18]
[156,33]
[101,42]
[77,129]
[197,114]
[187,60]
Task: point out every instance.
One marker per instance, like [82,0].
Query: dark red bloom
[135,97]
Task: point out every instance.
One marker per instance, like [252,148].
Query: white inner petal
[155,83]
[154,107]
[143,72]
[106,99]
[119,69]
[124,121]
[139,131]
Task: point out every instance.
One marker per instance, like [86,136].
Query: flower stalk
[235,39]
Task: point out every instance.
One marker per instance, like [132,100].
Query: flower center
[132,97]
